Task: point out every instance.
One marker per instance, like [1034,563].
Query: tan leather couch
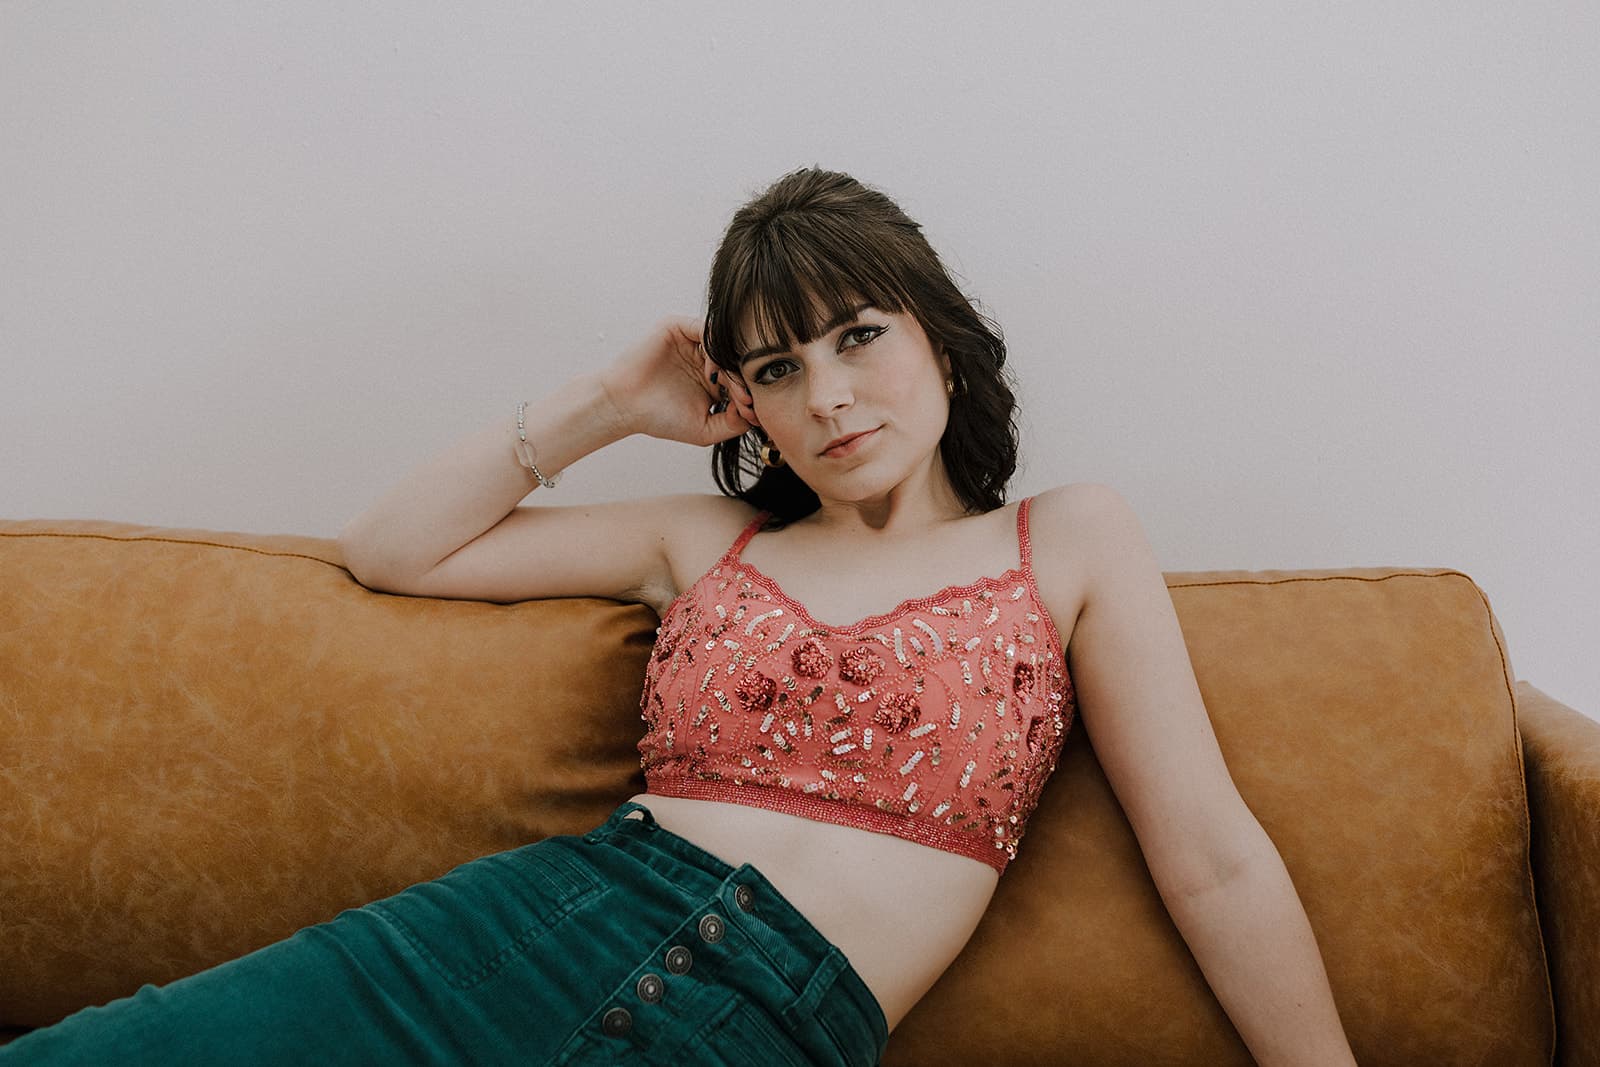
[209,740]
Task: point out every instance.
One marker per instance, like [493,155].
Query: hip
[900,911]
[723,967]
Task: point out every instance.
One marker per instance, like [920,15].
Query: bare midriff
[899,911]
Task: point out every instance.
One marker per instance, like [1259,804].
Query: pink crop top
[938,722]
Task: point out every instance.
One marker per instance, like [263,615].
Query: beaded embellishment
[938,722]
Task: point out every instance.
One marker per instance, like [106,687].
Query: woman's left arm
[1251,938]
[1219,875]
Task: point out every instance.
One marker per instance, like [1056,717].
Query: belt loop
[614,820]
[804,1006]
[632,806]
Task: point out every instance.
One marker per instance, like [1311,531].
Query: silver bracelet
[525,451]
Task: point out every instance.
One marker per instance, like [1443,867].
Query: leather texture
[1562,750]
[210,739]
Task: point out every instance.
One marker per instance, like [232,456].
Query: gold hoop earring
[770,457]
[949,387]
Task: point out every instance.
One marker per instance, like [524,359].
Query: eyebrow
[850,315]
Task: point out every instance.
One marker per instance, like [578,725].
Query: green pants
[626,945]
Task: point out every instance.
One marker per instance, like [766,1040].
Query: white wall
[1312,286]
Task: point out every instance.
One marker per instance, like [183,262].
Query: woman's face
[876,371]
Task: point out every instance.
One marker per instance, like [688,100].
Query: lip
[848,444]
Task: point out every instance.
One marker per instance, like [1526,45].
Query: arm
[1218,873]
[452,527]
[454,498]
[1251,938]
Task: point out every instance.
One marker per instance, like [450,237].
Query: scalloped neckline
[917,603]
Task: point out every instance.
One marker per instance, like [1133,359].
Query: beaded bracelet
[525,451]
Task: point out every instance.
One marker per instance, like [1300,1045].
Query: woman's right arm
[457,496]
[452,527]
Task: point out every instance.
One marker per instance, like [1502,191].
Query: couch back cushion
[1367,718]
[209,740]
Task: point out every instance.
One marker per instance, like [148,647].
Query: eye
[872,333]
[758,376]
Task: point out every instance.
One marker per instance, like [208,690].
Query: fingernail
[713,377]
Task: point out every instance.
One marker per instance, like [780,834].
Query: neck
[903,513]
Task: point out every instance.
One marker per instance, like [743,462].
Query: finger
[723,423]
[732,423]
[724,385]
[738,392]
[713,379]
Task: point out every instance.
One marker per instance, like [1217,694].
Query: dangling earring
[949,387]
[770,457]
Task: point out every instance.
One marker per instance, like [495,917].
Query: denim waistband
[815,967]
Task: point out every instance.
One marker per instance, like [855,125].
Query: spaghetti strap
[1022,532]
[749,532]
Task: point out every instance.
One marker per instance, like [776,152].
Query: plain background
[1311,285]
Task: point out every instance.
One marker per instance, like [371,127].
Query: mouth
[843,446]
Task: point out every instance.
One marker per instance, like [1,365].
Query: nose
[827,390]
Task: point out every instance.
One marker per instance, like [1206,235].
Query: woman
[841,752]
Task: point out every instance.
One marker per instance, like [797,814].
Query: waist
[772,933]
[964,840]
[901,913]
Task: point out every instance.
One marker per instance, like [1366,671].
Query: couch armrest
[1561,758]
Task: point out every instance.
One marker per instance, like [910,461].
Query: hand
[662,387]
[734,390]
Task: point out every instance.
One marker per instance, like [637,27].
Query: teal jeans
[625,945]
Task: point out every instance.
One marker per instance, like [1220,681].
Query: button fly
[745,897]
[711,929]
[650,988]
[617,1022]
[678,959]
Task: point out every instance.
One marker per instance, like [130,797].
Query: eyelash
[875,331]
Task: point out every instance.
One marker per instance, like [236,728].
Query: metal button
[617,1022]
[745,897]
[650,988]
[678,959]
[711,928]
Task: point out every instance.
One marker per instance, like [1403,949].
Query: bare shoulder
[1065,525]
[1079,500]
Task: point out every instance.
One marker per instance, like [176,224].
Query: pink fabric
[938,722]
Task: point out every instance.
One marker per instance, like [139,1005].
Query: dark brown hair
[813,245]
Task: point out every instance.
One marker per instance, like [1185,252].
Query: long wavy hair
[813,245]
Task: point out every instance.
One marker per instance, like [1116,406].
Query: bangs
[794,284]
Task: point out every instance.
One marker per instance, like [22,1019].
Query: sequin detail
[938,722]
[897,711]
[756,691]
[860,666]
[1022,680]
[812,659]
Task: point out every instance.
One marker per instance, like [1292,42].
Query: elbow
[1216,865]
[357,560]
